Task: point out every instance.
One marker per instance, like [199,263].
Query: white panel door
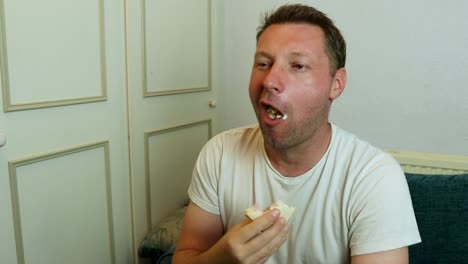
[173,84]
[64,165]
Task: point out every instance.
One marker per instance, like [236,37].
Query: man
[352,201]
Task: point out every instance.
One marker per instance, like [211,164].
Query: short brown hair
[335,45]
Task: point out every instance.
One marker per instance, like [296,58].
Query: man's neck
[299,159]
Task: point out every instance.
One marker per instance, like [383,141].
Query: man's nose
[273,81]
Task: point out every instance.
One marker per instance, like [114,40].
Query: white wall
[407,68]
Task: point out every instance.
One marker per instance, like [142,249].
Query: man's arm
[200,231]
[202,239]
[395,256]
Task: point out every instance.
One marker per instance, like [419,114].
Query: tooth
[274,114]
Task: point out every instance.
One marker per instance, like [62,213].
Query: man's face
[291,76]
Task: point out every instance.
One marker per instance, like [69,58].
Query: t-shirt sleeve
[382,216]
[203,189]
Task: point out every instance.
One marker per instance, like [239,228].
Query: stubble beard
[296,134]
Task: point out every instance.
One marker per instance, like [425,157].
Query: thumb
[241,224]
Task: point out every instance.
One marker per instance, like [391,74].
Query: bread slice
[285,210]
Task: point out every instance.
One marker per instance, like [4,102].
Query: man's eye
[262,65]
[299,66]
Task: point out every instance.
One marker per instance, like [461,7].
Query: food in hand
[285,210]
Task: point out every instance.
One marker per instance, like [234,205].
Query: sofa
[440,204]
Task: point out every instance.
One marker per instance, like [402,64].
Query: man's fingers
[271,236]
[241,224]
[267,243]
[256,240]
[257,226]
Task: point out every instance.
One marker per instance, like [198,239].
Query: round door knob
[212,103]
[2,140]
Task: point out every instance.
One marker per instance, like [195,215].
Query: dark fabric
[162,236]
[441,207]
[166,258]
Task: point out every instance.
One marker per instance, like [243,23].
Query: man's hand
[253,241]
[202,239]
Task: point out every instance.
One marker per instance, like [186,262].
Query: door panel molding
[15,195]
[9,106]
[174,90]
[153,133]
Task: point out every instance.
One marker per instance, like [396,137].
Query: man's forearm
[190,256]
[187,257]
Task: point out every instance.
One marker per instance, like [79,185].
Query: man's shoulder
[349,139]
[357,148]
[238,133]
[235,137]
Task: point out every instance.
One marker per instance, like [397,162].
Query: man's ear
[339,83]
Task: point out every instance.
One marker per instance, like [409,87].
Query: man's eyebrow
[297,54]
[293,55]
[309,58]
[263,54]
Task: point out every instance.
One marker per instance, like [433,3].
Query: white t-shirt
[354,201]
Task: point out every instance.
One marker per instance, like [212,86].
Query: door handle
[2,140]
[212,103]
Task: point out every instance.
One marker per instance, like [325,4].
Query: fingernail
[275,213]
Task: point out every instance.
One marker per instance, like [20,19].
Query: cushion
[166,258]
[163,236]
[440,204]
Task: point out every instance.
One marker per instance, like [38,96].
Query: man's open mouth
[275,114]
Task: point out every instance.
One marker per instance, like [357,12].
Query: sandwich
[286,211]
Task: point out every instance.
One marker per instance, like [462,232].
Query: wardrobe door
[64,173]
[173,98]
